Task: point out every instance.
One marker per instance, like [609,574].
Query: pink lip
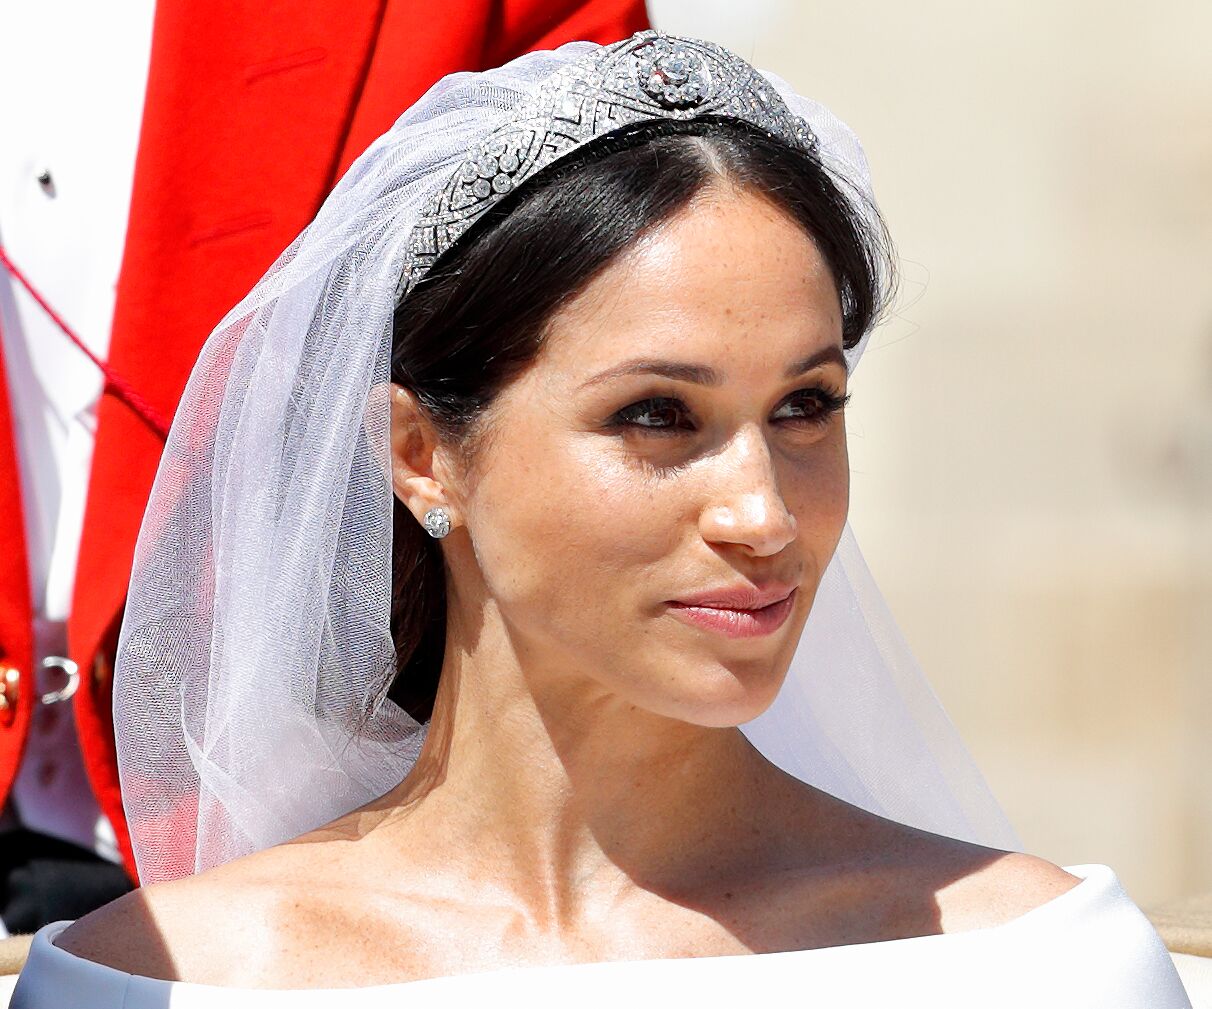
[737,621]
[740,597]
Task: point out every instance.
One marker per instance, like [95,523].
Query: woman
[545,411]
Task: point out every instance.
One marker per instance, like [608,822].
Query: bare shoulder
[973,886]
[998,887]
[214,928]
[872,878]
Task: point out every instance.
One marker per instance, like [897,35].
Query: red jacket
[253,112]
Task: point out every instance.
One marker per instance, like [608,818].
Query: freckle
[728,895]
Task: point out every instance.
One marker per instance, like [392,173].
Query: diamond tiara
[650,76]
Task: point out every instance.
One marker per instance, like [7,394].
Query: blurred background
[1031,431]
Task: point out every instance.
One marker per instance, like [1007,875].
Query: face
[678,440]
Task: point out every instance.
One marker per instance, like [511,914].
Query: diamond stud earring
[437,522]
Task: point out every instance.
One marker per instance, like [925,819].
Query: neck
[557,789]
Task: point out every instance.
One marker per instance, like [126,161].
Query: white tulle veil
[248,705]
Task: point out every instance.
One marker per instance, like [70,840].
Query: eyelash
[829,403]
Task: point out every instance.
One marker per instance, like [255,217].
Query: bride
[546,411]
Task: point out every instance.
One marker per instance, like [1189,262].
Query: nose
[746,507]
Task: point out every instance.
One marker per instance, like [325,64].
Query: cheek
[565,531]
[817,492]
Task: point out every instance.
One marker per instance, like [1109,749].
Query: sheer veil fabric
[249,698]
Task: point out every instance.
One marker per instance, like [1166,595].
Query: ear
[420,469]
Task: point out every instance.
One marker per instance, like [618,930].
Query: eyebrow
[701,374]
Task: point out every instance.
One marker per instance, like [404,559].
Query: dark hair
[478,318]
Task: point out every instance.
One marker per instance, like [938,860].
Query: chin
[719,697]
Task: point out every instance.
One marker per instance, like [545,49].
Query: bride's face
[680,435]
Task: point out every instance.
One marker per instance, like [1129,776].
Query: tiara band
[648,77]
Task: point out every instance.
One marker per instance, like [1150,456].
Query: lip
[740,597]
[724,612]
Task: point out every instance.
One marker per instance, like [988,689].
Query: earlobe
[414,450]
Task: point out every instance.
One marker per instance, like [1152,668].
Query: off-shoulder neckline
[1095,879]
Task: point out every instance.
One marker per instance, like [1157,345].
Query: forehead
[730,280]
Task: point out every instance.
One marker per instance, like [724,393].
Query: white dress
[1089,948]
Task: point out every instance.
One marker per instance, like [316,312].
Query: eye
[668,415]
[662,414]
[811,406]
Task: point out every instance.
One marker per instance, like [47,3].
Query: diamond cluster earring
[437,522]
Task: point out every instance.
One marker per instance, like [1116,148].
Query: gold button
[10,677]
[101,668]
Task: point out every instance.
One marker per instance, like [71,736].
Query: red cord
[151,416]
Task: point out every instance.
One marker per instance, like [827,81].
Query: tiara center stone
[672,74]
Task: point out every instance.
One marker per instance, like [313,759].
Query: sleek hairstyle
[479,317]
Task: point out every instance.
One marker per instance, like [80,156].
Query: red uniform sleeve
[521,26]
[416,45]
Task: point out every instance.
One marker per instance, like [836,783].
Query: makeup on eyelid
[828,403]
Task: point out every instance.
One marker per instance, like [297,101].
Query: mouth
[734,621]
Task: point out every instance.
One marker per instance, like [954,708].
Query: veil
[249,702]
